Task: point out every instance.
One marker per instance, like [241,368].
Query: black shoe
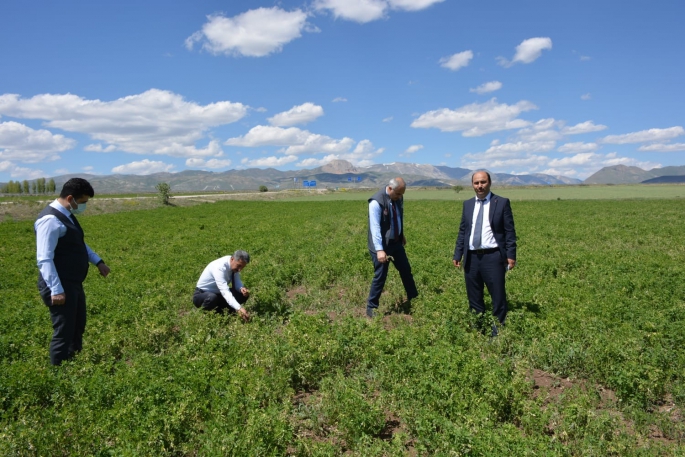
[370,312]
[405,307]
[495,332]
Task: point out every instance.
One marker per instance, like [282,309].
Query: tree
[51,186]
[263,189]
[40,183]
[164,192]
[27,189]
[34,187]
[458,189]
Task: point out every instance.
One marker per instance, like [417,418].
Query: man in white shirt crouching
[213,292]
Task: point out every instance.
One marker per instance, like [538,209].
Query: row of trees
[38,186]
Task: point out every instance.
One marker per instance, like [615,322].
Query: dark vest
[383,199]
[71,256]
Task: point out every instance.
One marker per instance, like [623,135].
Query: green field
[591,362]
[517,193]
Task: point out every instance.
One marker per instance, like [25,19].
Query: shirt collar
[58,206]
[486,199]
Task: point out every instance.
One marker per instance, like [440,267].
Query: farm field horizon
[591,361]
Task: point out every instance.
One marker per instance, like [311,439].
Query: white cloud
[362,155]
[6,165]
[411,150]
[154,122]
[254,33]
[26,173]
[269,161]
[363,11]
[302,114]
[585,58]
[99,148]
[591,161]
[586,97]
[542,130]
[658,135]
[412,5]
[582,158]
[295,141]
[507,149]
[21,143]
[456,61]
[388,119]
[143,167]
[211,163]
[528,51]
[583,127]
[578,165]
[487,87]
[529,163]
[579,147]
[87,169]
[476,119]
[339,99]
[661,147]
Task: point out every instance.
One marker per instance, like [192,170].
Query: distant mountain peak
[339,167]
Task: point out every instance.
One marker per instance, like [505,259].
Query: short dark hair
[77,188]
[482,171]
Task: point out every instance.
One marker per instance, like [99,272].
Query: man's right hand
[382,258]
[456,263]
[243,314]
[58,299]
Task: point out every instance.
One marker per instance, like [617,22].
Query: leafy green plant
[163,192]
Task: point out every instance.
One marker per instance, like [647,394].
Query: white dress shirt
[375,223]
[49,230]
[487,239]
[217,276]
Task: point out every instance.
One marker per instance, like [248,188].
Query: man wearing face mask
[63,258]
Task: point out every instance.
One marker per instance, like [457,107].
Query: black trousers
[487,269]
[380,274]
[210,301]
[68,320]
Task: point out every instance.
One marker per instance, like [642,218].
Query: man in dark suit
[487,243]
[386,242]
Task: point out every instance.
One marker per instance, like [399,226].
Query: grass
[518,193]
[597,312]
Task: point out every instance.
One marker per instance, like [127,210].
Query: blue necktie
[478,229]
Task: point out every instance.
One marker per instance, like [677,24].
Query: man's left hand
[512,264]
[104,269]
[245,291]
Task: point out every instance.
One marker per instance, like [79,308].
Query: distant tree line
[36,187]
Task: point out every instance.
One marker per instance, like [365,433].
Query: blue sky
[563,88]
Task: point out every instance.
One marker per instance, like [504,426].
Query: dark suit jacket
[501,222]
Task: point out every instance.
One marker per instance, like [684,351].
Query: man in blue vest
[386,242]
[63,258]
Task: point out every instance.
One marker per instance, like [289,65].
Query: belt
[484,251]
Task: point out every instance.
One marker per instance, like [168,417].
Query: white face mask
[80,207]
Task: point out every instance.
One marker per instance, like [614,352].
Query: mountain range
[622,174]
[340,173]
